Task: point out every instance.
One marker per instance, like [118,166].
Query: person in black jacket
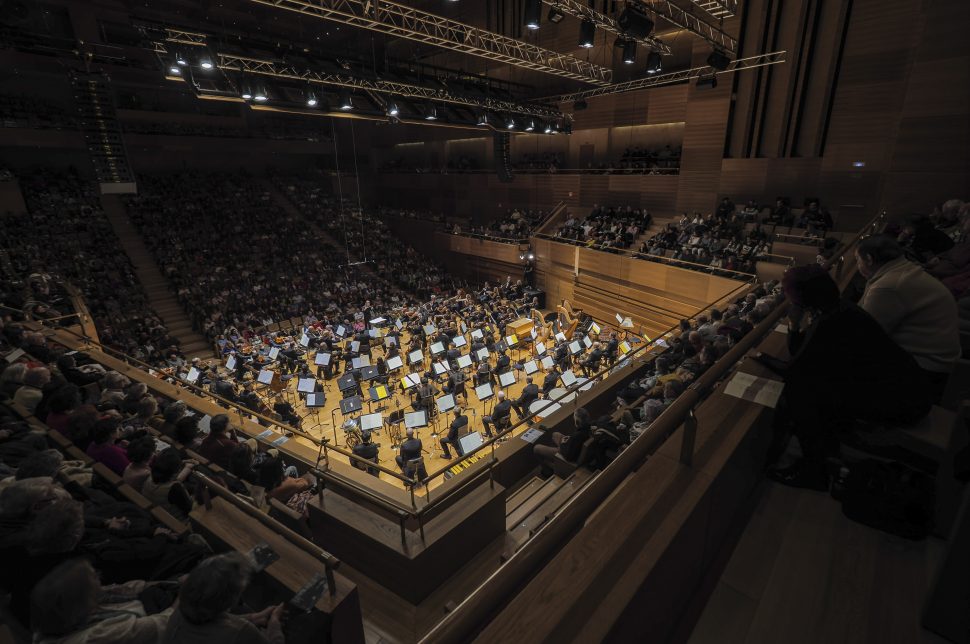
[500,414]
[410,450]
[569,446]
[530,393]
[366,449]
[550,381]
[844,368]
[454,432]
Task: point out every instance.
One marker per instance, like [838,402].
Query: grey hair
[214,587]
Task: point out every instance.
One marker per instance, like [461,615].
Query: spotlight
[205,63]
[530,126]
[511,124]
[634,24]
[311,100]
[180,60]
[630,52]
[246,94]
[346,102]
[718,60]
[260,96]
[174,70]
[654,62]
[710,81]
[522,257]
[432,114]
[587,31]
[533,13]
[531,256]
[555,16]
[548,129]
[392,109]
[483,118]
[580,104]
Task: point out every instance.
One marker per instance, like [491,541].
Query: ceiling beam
[583,11]
[761,60]
[719,9]
[686,20]
[396,19]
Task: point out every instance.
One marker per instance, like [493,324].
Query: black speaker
[633,23]
[630,52]
[580,104]
[587,32]
[709,81]
[718,60]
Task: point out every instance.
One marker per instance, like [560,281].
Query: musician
[477,346]
[453,354]
[501,363]
[551,380]
[456,382]
[249,399]
[224,389]
[561,355]
[425,395]
[454,433]
[367,450]
[410,450]
[501,414]
[287,414]
[612,346]
[484,373]
[592,361]
[530,393]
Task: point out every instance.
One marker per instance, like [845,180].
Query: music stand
[477,334]
[368,373]
[568,378]
[429,329]
[360,362]
[595,328]
[354,346]
[411,380]
[416,356]
[530,367]
[484,392]
[204,424]
[321,359]
[304,340]
[469,442]
[501,346]
[482,354]
[370,422]
[459,341]
[547,362]
[625,348]
[377,321]
[265,377]
[316,400]
[373,333]
[416,419]
[351,405]
[560,336]
[389,341]
[587,342]
[445,403]
[440,368]
[465,361]
[231,363]
[436,348]
[398,324]
[395,363]
[341,331]
[378,393]
[193,375]
[346,382]
[274,353]
[574,347]
[507,379]
[306,385]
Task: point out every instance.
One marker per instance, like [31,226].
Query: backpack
[890,497]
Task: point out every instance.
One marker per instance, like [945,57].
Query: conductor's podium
[519,327]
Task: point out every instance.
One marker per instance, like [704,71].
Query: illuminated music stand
[459,341]
[547,362]
[445,404]
[395,363]
[231,363]
[485,394]
[416,357]
[465,361]
[530,367]
[507,379]
[440,368]
[437,348]
[477,334]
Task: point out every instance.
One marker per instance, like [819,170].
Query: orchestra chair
[275,326]
[415,465]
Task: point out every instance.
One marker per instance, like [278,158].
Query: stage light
[634,24]
[346,101]
[654,62]
[522,257]
[530,126]
[548,129]
[393,109]
[531,257]
[174,70]
[180,60]
[246,94]
[205,63]
[311,100]
[580,104]
[630,52]
[511,124]
[533,13]
[260,96]
[483,119]
[718,60]
[555,16]
[710,81]
[432,114]
[587,32]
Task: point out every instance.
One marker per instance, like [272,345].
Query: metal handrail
[487,237]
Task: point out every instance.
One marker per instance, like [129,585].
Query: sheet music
[763,391]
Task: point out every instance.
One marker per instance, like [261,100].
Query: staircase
[102,132]
[529,507]
[157,288]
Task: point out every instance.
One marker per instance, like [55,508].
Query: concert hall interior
[447,321]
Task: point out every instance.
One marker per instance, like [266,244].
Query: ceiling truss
[582,11]
[399,20]
[686,20]
[772,58]
[719,9]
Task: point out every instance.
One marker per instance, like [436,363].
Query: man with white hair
[501,414]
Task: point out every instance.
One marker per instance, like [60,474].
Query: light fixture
[432,114]
[511,124]
[346,101]
[532,13]
[555,15]
[654,62]
[483,118]
[393,109]
[174,70]
[548,129]
[205,63]
[530,126]
[634,23]
[180,59]
[311,100]
[246,94]
[260,96]
[587,32]
[531,256]
[630,52]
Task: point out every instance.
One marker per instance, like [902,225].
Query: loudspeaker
[718,60]
[633,23]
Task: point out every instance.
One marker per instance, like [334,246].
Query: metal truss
[395,19]
[582,11]
[761,60]
[686,20]
[243,64]
[718,8]
[183,37]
